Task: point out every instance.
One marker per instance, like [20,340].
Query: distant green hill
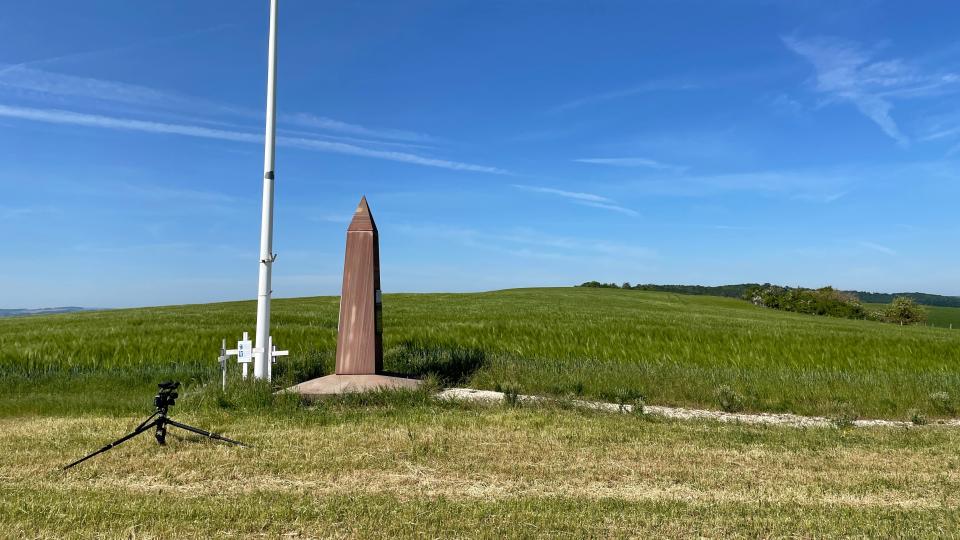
[736,291]
[40,311]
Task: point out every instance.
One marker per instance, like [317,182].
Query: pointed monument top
[362,218]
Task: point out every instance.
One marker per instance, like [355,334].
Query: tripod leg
[199,431]
[139,430]
[147,421]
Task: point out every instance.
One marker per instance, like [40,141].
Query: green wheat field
[392,464]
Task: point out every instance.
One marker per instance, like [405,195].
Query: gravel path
[679,413]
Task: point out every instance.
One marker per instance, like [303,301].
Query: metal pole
[262,359]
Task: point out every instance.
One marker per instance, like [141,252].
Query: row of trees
[831,302]
[824,301]
[730,291]
[738,290]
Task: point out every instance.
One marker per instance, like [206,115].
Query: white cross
[274,353]
[245,353]
[242,352]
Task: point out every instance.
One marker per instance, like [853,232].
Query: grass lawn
[396,465]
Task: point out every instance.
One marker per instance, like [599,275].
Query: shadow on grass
[451,366]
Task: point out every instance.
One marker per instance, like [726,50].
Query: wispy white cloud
[536,238]
[832,197]
[57,116]
[404,157]
[786,105]
[817,184]
[354,140]
[332,218]
[642,88]
[812,185]
[143,43]
[24,81]
[611,207]
[821,197]
[541,135]
[507,244]
[18,212]
[329,124]
[846,72]
[164,193]
[877,247]
[942,132]
[525,242]
[20,80]
[634,162]
[585,199]
[943,127]
[730,227]
[151,247]
[580,196]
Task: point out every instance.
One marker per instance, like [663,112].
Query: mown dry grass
[454,470]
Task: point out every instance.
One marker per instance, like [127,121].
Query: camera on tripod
[166,397]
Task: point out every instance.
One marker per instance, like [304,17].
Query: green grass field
[937,316]
[672,349]
[944,317]
[389,465]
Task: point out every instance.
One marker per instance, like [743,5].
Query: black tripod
[164,399]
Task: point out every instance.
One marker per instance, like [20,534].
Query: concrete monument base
[345,384]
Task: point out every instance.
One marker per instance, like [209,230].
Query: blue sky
[500,144]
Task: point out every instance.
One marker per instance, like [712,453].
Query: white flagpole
[261,366]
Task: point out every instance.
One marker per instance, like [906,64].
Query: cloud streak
[588,197]
[163,193]
[643,88]
[329,124]
[128,47]
[519,242]
[634,162]
[878,248]
[23,81]
[815,185]
[585,199]
[16,213]
[403,157]
[612,208]
[845,72]
[57,116]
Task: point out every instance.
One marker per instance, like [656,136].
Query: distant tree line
[831,302]
[738,291]
[824,301]
[730,291]
[920,298]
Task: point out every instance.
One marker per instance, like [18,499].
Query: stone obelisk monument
[360,330]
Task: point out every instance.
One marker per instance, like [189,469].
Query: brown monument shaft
[359,337]
[359,342]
